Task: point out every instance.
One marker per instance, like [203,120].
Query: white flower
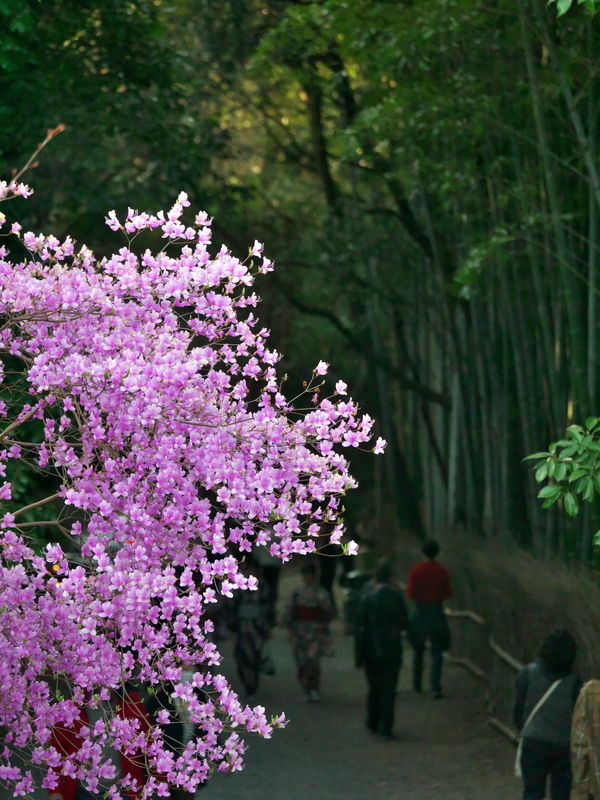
[380,446]
[341,388]
[321,368]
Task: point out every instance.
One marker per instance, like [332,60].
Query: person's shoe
[314,696]
[390,737]
[306,698]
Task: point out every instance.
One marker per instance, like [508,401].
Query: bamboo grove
[426,177]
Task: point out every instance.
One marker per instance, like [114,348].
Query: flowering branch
[168,431]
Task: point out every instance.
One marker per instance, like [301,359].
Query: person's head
[309,573]
[430,549]
[384,573]
[558,651]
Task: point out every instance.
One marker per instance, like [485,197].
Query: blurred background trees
[425,176]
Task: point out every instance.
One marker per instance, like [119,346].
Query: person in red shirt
[428,587]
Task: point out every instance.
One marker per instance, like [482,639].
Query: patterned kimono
[307,617]
[585,743]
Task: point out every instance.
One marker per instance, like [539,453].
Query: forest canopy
[425,175]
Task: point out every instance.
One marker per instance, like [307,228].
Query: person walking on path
[252,629]
[585,743]
[306,619]
[545,695]
[381,619]
[429,587]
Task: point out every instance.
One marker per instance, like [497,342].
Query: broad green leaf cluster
[572,467]
[562,6]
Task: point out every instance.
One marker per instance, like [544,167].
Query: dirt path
[446,751]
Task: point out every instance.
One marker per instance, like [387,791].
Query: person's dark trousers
[271,578]
[543,760]
[437,660]
[382,678]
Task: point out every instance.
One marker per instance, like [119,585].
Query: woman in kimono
[307,618]
[252,629]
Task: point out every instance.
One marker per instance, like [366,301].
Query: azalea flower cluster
[159,408]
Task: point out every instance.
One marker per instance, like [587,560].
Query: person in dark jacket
[546,735]
[378,635]
[429,587]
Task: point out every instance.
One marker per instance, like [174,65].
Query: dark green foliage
[421,172]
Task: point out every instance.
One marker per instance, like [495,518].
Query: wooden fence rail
[479,672]
[500,653]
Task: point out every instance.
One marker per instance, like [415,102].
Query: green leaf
[591,423]
[576,432]
[536,455]
[571,504]
[550,491]
[576,474]
[587,489]
[541,472]
[550,467]
[596,479]
[597,538]
[562,6]
[569,451]
[560,472]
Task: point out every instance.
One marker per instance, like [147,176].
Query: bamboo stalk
[577,355]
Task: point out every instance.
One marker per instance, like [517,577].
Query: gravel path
[445,751]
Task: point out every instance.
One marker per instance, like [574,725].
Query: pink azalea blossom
[157,405]
[380,446]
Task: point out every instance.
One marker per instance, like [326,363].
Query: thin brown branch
[43,502]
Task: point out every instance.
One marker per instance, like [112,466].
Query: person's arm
[521,686]
[580,749]
[402,612]
[411,584]
[359,633]
[447,592]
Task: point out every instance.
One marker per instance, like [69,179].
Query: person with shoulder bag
[545,694]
